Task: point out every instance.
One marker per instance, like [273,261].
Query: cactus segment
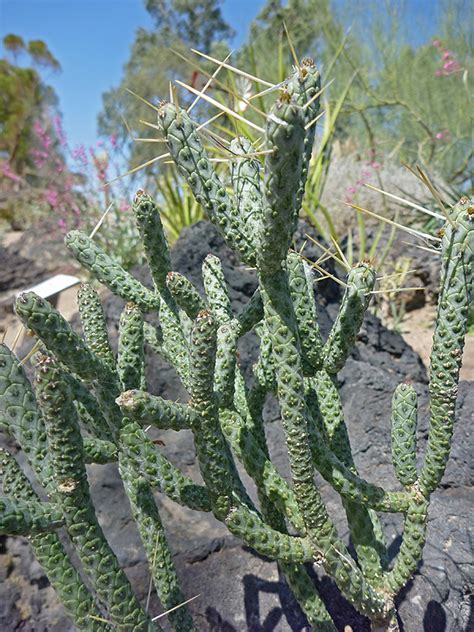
[18,517]
[226,359]
[301,290]
[153,237]
[303,86]
[185,294]
[192,161]
[455,300]
[109,272]
[154,410]
[19,414]
[245,178]
[49,551]
[285,136]
[147,517]
[360,282]
[215,287]
[72,494]
[94,325]
[404,418]
[56,333]
[215,460]
[414,536]
[130,359]
[363,525]
[247,524]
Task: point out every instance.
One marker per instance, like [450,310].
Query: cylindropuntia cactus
[90,406]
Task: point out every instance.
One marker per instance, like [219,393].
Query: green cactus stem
[455,299]
[109,272]
[404,418]
[94,325]
[49,551]
[18,517]
[190,157]
[72,495]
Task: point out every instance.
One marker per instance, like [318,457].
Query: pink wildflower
[9,173]
[444,135]
[52,197]
[113,140]
[61,224]
[58,128]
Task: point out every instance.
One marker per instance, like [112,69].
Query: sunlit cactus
[90,406]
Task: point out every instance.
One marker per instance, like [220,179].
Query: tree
[24,98]
[179,25]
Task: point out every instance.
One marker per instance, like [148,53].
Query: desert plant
[91,406]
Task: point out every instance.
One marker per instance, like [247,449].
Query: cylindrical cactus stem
[109,272]
[157,252]
[283,331]
[226,359]
[20,417]
[161,474]
[152,533]
[364,526]
[69,348]
[19,517]
[131,358]
[215,459]
[304,85]
[59,338]
[72,494]
[301,289]
[360,282]
[251,314]
[216,290]
[414,536]
[94,324]
[49,551]
[156,411]
[245,178]
[260,468]
[303,588]
[455,301]
[192,161]
[285,137]
[147,216]
[88,408]
[185,294]
[247,525]
[404,418]
[99,451]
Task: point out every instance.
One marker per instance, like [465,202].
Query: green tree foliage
[24,98]
[179,25]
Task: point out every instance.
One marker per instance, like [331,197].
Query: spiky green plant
[91,406]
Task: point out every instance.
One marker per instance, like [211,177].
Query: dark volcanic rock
[238,589]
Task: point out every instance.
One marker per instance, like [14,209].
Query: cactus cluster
[90,405]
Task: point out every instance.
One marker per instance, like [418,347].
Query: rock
[238,589]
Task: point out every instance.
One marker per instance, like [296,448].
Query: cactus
[91,406]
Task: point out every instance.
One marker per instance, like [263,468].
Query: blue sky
[91,39]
